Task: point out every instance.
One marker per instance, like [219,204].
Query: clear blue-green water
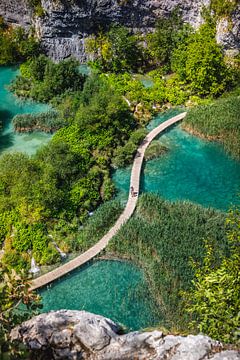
[11,106]
[84,69]
[145,80]
[193,169]
[115,289]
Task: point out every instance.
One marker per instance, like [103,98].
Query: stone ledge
[72,335]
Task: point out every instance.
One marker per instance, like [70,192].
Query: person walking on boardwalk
[132,191]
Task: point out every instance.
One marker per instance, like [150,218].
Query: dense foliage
[214,300]
[194,56]
[199,62]
[169,32]
[37,7]
[41,79]
[66,179]
[116,51]
[219,121]
[124,155]
[223,8]
[17,304]
[15,44]
[160,228]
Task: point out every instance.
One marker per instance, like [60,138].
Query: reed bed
[47,121]
[163,237]
[98,224]
[219,121]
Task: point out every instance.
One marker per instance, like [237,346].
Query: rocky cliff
[67,23]
[76,335]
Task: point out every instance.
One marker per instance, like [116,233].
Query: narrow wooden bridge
[127,213]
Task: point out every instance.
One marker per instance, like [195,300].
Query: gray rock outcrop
[68,334]
[67,23]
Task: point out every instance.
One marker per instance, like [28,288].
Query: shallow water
[115,289]
[193,169]
[11,106]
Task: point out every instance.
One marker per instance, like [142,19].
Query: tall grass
[46,121]
[97,225]
[218,121]
[162,237]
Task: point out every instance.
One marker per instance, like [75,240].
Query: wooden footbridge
[127,213]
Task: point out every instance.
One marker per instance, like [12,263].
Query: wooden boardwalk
[127,213]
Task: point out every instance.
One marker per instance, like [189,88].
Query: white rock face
[72,335]
[66,24]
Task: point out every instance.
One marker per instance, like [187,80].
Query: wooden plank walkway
[127,213]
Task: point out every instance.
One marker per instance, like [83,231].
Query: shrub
[214,299]
[199,62]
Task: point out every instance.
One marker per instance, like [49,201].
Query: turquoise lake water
[193,169]
[114,289]
[11,106]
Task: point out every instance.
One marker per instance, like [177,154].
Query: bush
[199,62]
[214,300]
[169,32]
[124,155]
[223,7]
[16,45]
[115,51]
[42,80]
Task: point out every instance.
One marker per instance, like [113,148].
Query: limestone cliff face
[228,31]
[65,26]
[72,335]
[16,12]
[67,23]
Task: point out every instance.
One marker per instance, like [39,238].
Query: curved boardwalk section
[127,213]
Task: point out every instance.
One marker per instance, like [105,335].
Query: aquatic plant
[155,149]
[98,224]
[218,121]
[162,237]
[47,121]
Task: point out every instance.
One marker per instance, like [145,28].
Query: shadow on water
[6,139]
[5,117]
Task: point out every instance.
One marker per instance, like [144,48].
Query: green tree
[214,300]
[199,62]
[16,44]
[17,304]
[42,80]
[116,51]
[169,32]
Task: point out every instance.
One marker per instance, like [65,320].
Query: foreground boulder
[68,334]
